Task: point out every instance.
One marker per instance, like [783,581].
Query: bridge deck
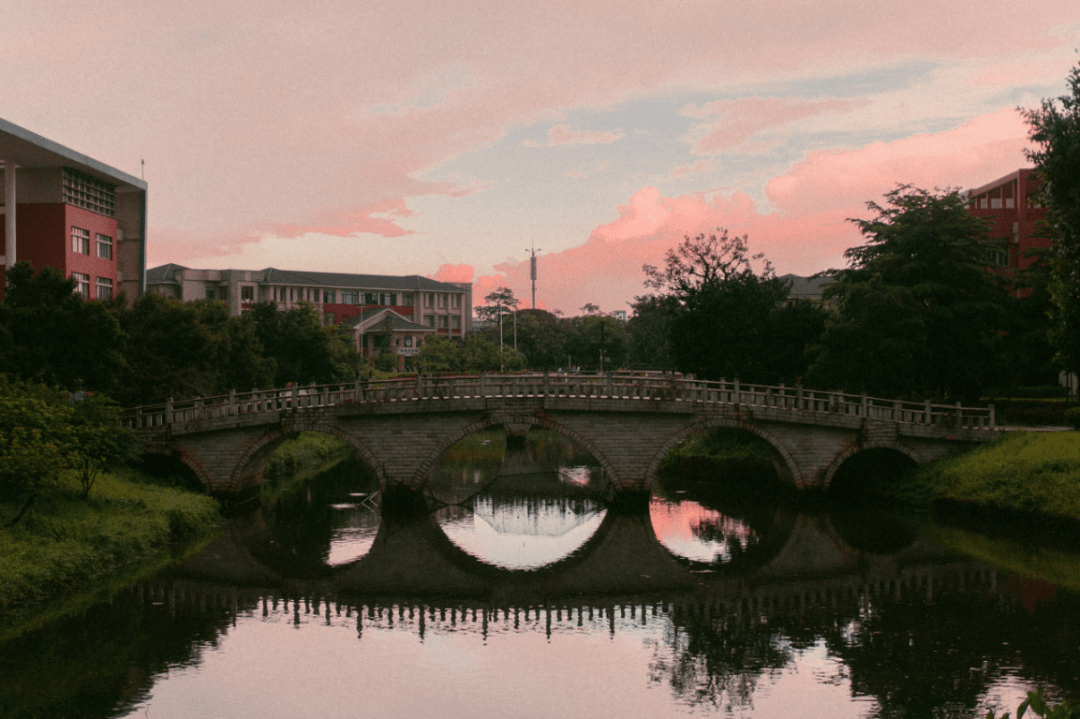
[631,388]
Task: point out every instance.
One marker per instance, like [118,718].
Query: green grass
[1031,472]
[65,542]
[300,459]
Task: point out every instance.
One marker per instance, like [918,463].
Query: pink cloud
[696,168]
[562,135]
[739,120]
[806,231]
[977,152]
[355,221]
[453,273]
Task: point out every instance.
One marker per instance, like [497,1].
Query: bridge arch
[180,454]
[838,461]
[507,419]
[250,465]
[787,467]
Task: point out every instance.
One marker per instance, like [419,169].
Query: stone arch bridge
[628,422]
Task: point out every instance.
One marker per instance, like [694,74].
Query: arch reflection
[518,506]
[325,517]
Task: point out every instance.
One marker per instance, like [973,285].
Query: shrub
[1072,417]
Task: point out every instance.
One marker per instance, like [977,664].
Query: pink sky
[444,140]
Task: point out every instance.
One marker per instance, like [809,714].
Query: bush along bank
[67,542]
[1022,477]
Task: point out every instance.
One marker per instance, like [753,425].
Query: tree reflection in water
[718,662]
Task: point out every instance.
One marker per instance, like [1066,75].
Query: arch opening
[861,505]
[716,497]
[170,469]
[517,506]
[319,497]
[866,474]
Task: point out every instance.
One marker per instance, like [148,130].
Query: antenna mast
[532,272]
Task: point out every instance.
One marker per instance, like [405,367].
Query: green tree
[42,312]
[917,311]
[540,339]
[304,350]
[175,349]
[587,336]
[100,439]
[724,319]
[439,354]
[37,441]
[1055,131]
[650,329]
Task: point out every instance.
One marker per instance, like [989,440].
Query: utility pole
[532,272]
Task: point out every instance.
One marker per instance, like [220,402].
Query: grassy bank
[66,543]
[1025,472]
[299,459]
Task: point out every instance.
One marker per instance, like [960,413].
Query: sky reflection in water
[923,633]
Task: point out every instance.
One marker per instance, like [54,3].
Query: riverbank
[67,543]
[1030,473]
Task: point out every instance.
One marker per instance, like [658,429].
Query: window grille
[104,288]
[90,194]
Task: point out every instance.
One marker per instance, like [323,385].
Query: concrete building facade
[64,210]
[443,308]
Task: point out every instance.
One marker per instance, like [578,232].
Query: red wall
[89,264]
[44,239]
[344,313]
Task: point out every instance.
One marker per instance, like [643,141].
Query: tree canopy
[917,313]
[715,316]
[1055,131]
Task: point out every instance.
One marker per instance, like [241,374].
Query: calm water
[523,594]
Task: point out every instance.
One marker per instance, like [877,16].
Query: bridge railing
[620,386]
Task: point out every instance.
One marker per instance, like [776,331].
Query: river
[524,593]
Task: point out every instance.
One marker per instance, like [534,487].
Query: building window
[455,322]
[406,300]
[211,293]
[350,297]
[80,240]
[408,341]
[427,299]
[1000,257]
[292,294]
[104,247]
[443,321]
[247,294]
[328,297]
[104,288]
[82,284]
[430,320]
[91,194]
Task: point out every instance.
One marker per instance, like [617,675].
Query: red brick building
[65,210]
[1011,203]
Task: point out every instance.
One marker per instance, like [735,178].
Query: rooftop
[32,151]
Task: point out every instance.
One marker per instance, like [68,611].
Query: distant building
[380,330]
[1011,203]
[440,307]
[807,288]
[64,210]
